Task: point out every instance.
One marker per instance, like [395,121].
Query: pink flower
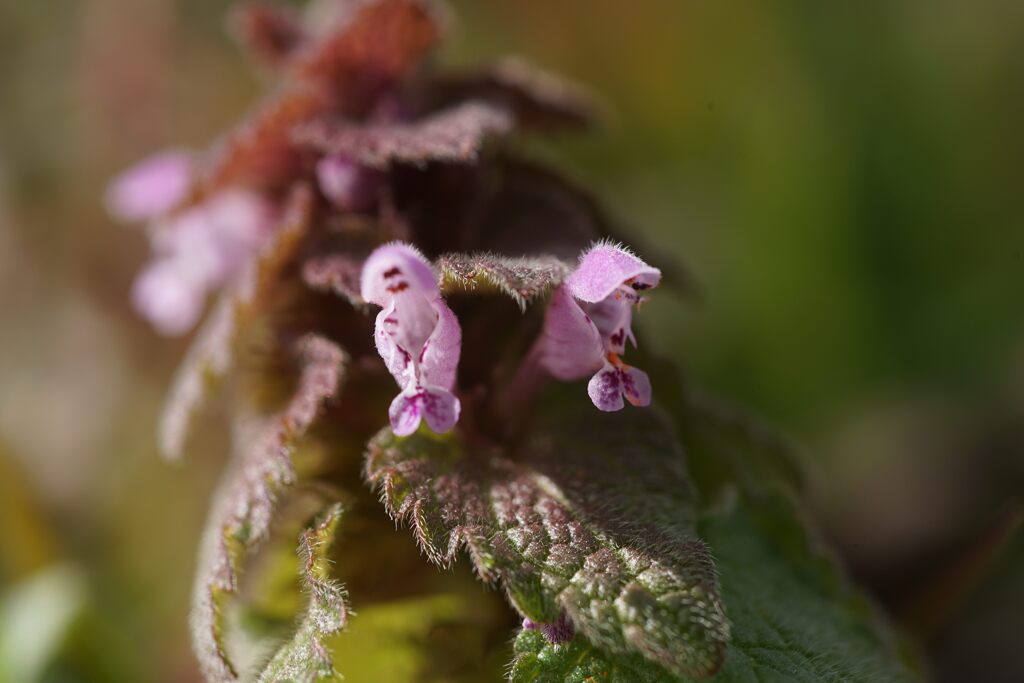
[347,184]
[196,252]
[589,320]
[417,335]
[151,188]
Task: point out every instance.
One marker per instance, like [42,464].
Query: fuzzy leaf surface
[538,661]
[523,279]
[455,135]
[595,518]
[306,658]
[537,99]
[794,619]
[245,502]
[335,273]
[341,72]
[372,45]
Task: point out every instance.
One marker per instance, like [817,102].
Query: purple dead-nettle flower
[417,335]
[195,250]
[350,186]
[589,320]
[151,188]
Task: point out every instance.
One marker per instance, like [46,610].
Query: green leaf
[212,354]
[795,618]
[245,503]
[728,446]
[578,661]
[593,517]
[306,658]
[522,279]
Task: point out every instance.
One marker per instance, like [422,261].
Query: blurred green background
[844,180]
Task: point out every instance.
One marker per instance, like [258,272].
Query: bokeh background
[843,179]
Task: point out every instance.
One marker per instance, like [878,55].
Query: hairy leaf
[793,615]
[536,98]
[336,273]
[380,45]
[454,135]
[212,353]
[260,152]
[306,658]
[727,445]
[538,661]
[591,517]
[795,619]
[375,48]
[244,505]
[523,279]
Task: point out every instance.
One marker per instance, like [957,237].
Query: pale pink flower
[349,185]
[151,188]
[417,335]
[196,252]
[589,320]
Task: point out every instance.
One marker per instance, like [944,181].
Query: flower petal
[605,389]
[636,386]
[347,184]
[439,407]
[397,359]
[168,297]
[604,268]
[613,318]
[150,188]
[439,360]
[570,345]
[393,268]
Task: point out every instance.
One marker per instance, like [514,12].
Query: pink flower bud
[151,188]
[198,251]
[347,184]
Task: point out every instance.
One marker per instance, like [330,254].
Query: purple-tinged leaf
[260,153]
[376,47]
[336,273]
[305,658]
[523,279]
[536,98]
[595,518]
[212,353]
[453,135]
[245,502]
[270,33]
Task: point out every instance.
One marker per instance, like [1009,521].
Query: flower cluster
[586,327]
[197,249]
[369,139]
[369,177]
